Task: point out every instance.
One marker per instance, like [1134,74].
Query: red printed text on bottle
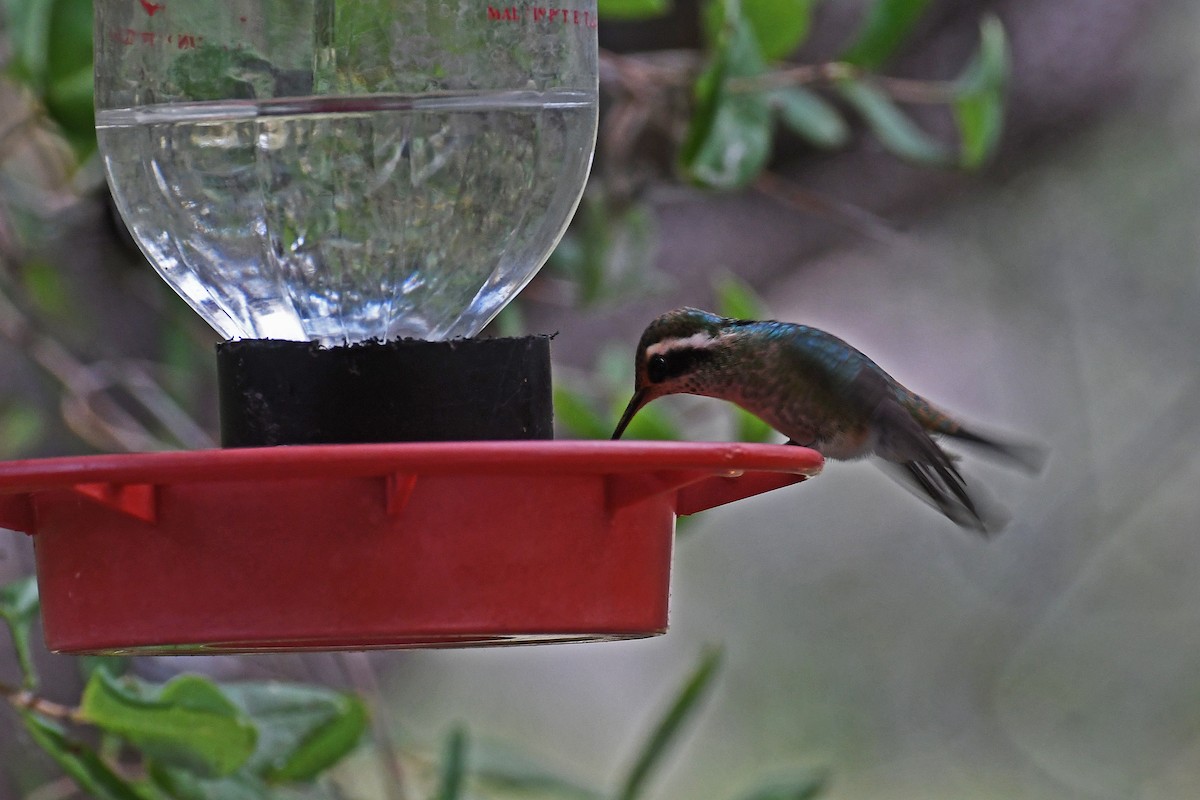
[546,14]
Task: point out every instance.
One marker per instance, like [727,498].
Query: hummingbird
[821,393]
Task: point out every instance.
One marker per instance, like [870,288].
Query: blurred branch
[905,90]
[88,405]
[13,129]
[805,200]
[357,667]
[659,93]
[58,789]
[25,700]
[642,76]
[646,93]
[640,73]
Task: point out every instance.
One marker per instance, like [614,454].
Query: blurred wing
[919,464]
[1029,457]
[984,515]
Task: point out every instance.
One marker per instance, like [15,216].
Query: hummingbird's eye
[656,368]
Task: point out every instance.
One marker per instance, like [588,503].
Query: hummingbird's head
[674,354]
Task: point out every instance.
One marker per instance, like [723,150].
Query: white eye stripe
[696,340]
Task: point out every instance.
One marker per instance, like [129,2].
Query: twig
[794,76]
[25,700]
[17,126]
[87,405]
[134,378]
[646,93]
[854,217]
[906,90]
[58,789]
[357,667]
[551,291]
[84,405]
[642,72]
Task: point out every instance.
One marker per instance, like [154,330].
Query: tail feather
[982,514]
[1029,457]
[927,468]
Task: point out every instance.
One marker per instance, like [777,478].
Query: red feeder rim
[375,545]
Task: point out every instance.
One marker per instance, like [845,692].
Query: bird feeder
[348,193]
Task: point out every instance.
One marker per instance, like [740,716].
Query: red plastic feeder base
[363,546]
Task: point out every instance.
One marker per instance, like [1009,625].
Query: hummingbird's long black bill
[635,403]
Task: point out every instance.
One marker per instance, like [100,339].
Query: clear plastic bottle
[340,171]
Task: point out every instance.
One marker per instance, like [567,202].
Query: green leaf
[78,761]
[70,39]
[69,84]
[19,608]
[22,427]
[804,787]
[52,55]
[658,744]
[510,322]
[46,287]
[184,785]
[885,27]
[729,135]
[749,428]
[454,765]
[988,70]
[980,119]
[187,723]
[810,116]
[303,730]
[325,745]
[779,26]
[980,95]
[115,666]
[608,252]
[618,10]
[736,299]
[574,413]
[70,101]
[895,131]
[652,423]
[28,23]
[595,241]
[497,765]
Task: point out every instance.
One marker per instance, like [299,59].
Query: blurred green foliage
[19,610]
[979,95]
[51,43]
[738,98]
[196,739]
[685,704]
[743,94]
[884,29]
[729,136]
[630,10]
[895,130]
